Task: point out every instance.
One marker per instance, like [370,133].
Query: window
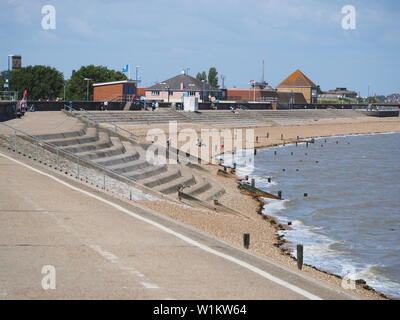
[192,93]
[170,93]
[155,93]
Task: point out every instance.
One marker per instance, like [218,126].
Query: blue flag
[126,68]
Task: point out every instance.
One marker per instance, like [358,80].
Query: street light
[87,87]
[137,73]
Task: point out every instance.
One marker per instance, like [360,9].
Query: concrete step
[103,141]
[62,135]
[90,137]
[146,172]
[199,188]
[116,148]
[171,174]
[174,185]
[130,154]
[212,194]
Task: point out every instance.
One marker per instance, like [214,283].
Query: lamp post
[137,73]
[87,87]
[9,71]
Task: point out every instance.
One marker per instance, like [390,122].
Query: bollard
[234,166]
[280,194]
[255,151]
[291,153]
[269,180]
[296,143]
[305,195]
[307,144]
[299,256]
[253,182]
[246,240]
[225,169]
[275,152]
[337,142]
[246,178]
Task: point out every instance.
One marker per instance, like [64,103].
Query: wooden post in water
[280,194]
[253,182]
[300,256]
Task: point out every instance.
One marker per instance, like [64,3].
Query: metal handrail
[56,149]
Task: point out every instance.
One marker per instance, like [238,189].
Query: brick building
[298,82]
[115,91]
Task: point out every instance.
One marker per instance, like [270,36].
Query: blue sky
[232,35]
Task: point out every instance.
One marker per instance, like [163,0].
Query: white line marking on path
[195,243]
[149,285]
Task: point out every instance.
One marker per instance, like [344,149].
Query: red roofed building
[299,82]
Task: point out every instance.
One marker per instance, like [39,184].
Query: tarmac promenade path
[104,248]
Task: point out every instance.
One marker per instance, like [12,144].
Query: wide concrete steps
[200,187]
[102,141]
[116,148]
[175,185]
[130,154]
[90,136]
[212,194]
[171,173]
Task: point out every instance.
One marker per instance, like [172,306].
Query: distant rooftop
[297,79]
[182,82]
[113,82]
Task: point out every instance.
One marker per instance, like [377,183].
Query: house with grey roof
[174,89]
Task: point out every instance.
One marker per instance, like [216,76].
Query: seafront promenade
[149,245]
[102,248]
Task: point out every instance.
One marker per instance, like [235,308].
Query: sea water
[349,223]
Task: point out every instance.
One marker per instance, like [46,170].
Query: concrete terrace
[242,118]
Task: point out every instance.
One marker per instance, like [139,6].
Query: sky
[163,37]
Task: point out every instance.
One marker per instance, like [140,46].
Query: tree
[41,82]
[76,87]
[213,77]
[201,76]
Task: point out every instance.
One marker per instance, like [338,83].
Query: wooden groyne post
[299,256]
[246,240]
